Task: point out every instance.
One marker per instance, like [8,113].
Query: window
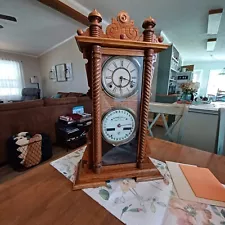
[216,82]
[11,80]
[198,77]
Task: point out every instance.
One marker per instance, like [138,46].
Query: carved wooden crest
[121,27]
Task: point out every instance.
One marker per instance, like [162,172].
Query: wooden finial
[149,22]
[95,15]
[160,39]
[95,19]
[148,25]
[80,32]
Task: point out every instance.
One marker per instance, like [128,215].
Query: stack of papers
[197,184]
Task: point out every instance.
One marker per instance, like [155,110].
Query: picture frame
[60,71]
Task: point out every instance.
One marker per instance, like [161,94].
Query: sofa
[30,94]
[37,116]
[70,94]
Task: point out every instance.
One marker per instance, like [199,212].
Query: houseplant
[189,89]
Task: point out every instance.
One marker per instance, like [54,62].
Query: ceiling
[183,21]
[38,28]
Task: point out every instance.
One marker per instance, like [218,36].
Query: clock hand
[124,78]
[119,125]
[121,80]
[127,79]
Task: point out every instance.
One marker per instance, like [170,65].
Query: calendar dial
[118,126]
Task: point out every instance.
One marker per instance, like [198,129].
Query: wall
[155,76]
[205,67]
[68,52]
[30,66]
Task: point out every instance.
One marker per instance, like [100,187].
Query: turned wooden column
[87,55]
[95,18]
[148,25]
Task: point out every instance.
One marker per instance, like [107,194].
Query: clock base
[86,178]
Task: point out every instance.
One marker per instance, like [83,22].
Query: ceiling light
[211,44]
[222,72]
[214,21]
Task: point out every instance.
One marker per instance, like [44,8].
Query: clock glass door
[120,100]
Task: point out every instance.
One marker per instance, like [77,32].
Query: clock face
[118,126]
[120,76]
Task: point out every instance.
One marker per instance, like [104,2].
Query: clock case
[121,38]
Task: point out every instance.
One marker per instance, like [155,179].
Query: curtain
[11,80]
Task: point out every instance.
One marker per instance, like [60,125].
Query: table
[162,109]
[71,135]
[43,196]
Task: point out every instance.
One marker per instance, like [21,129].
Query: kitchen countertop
[207,108]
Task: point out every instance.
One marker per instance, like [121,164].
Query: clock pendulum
[120,66]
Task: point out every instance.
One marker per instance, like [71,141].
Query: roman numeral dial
[121,76]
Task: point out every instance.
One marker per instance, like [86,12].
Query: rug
[144,203]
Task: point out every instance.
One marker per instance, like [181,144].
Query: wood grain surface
[44,196]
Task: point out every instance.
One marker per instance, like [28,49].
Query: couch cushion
[84,98]
[75,94]
[60,101]
[21,105]
[63,94]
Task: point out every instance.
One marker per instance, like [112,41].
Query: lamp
[214,20]
[211,44]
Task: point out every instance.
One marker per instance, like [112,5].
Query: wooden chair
[169,109]
[220,142]
[220,96]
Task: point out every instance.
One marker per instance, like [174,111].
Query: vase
[187,97]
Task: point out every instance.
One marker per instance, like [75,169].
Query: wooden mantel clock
[119,69]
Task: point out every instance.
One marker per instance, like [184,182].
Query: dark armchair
[30,94]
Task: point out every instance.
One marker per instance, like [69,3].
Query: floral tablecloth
[145,203]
